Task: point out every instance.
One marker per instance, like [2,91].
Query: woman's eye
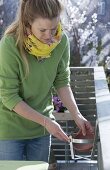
[42,30]
[53,29]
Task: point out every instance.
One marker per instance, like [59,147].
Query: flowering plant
[58,105]
[82,28]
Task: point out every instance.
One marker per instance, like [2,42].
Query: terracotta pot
[83,143]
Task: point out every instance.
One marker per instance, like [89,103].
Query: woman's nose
[48,35]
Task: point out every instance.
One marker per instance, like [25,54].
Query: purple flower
[58,105]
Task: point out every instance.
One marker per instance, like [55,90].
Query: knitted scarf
[40,49]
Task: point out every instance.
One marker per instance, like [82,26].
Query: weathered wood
[63,116]
[83,83]
[83,95]
[86,101]
[82,77]
[78,166]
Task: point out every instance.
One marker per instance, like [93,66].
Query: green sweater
[35,89]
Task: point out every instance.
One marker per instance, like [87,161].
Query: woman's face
[45,29]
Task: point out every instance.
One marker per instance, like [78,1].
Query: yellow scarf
[39,49]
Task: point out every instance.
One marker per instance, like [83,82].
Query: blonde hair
[30,10]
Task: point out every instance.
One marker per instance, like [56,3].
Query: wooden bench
[91,92]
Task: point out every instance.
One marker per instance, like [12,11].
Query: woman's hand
[55,129]
[83,124]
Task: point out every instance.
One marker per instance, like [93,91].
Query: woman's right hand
[55,129]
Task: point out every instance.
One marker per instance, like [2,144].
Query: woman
[34,58]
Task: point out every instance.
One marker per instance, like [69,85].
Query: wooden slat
[85,107]
[78,166]
[84,95]
[86,101]
[63,116]
[85,112]
[81,77]
[83,89]
[82,83]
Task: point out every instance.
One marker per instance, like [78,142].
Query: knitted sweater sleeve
[63,71]
[9,80]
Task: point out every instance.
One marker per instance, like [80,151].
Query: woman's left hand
[83,124]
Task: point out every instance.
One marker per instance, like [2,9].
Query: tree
[8,10]
[82,31]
